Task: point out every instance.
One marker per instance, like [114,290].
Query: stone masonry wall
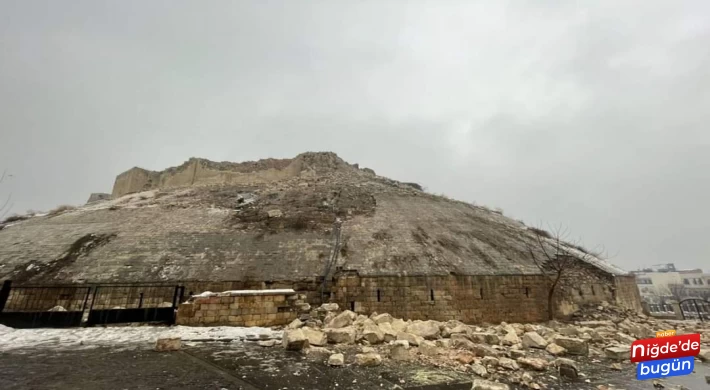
[200,172]
[471,299]
[242,308]
[627,293]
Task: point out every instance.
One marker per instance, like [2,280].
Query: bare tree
[559,260]
[5,206]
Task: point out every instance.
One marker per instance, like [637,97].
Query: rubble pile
[523,354]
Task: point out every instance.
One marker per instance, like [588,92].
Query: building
[663,286]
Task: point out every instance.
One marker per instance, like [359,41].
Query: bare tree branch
[557,258]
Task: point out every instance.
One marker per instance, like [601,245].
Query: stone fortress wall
[197,171]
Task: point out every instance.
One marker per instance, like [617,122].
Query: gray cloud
[592,117]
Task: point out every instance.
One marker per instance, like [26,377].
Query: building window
[686,281]
[431,294]
[378,295]
[700,281]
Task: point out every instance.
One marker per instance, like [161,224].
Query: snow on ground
[122,337]
[245,292]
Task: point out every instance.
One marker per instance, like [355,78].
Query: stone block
[573,346]
[168,344]
[295,339]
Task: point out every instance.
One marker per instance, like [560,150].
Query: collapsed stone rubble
[495,355]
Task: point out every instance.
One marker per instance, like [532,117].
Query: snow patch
[245,292]
[123,337]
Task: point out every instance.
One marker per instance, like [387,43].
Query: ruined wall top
[198,171]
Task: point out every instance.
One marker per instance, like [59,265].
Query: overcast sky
[590,116]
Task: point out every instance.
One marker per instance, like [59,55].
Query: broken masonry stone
[597,324]
[428,348]
[516,353]
[465,357]
[490,361]
[400,352]
[488,338]
[567,368]
[368,359]
[427,329]
[403,343]
[462,343]
[704,355]
[535,364]
[443,343]
[572,345]
[624,338]
[570,331]
[328,317]
[327,307]
[479,370]
[507,363]
[276,213]
[336,360]
[510,338]
[382,318]
[555,350]
[411,338]
[315,337]
[533,340]
[342,320]
[388,333]
[399,325]
[341,335]
[460,336]
[618,353]
[361,321]
[294,339]
[168,344]
[447,331]
[480,384]
[373,334]
[483,350]
[295,324]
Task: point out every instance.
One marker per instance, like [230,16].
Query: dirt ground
[244,366]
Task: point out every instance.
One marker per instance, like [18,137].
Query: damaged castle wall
[242,308]
[471,299]
[203,172]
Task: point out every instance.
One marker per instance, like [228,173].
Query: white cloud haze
[592,115]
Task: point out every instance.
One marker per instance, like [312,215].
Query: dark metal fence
[129,303]
[42,306]
[695,308]
[65,306]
